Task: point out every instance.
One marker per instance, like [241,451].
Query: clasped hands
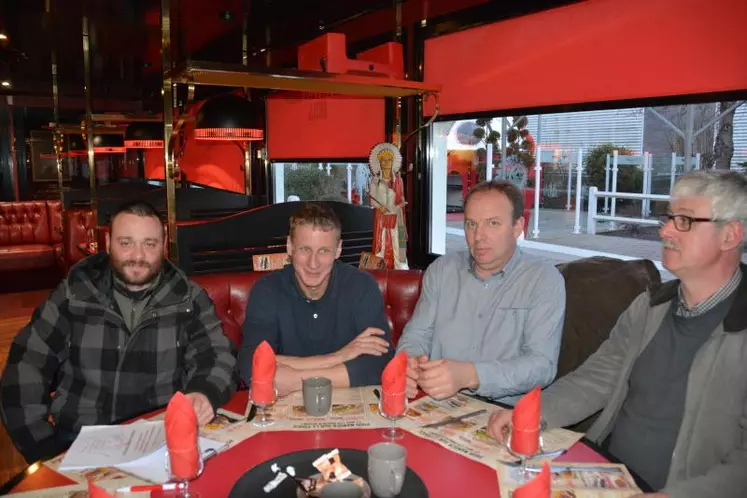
[439,379]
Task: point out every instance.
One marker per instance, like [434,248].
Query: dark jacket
[76,363]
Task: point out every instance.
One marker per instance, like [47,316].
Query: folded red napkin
[95,491]
[539,487]
[181,437]
[525,422]
[393,385]
[264,366]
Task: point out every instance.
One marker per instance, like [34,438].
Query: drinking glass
[523,457]
[264,420]
[392,433]
[182,481]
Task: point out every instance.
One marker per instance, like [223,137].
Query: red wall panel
[594,51]
[329,128]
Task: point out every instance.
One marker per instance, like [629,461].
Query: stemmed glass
[182,481]
[393,433]
[264,420]
[523,457]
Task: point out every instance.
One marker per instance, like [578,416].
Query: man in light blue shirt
[488,320]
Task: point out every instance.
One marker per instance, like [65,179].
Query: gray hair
[727,191]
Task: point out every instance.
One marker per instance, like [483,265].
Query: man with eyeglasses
[671,379]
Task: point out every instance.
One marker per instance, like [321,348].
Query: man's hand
[367,342]
[442,379]
[498,424]
[413,374]
[203,408]
[287,380]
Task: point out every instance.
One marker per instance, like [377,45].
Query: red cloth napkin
[539,487]
[264,366]
[525,422]
[95,491]
[181,437]
[393,385]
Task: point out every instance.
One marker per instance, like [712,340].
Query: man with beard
[671,379]
[322,317]
[117,338]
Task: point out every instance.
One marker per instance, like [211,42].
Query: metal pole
[58,140]
[646,184]
[349,180]
[613,202]
[537,183]
[168,128]
[489,162]
[570,186]
[689,132]
[673,173]
[248,168]
[12,142]
[504,127]
[89,131]
[607,183]
[398,100]
[579,196]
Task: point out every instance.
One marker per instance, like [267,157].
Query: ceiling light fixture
[229,117]
[5,84]
[144,135]
[3,36]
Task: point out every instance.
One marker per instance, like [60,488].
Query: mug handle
[396,481]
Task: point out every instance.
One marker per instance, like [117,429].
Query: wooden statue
[386,195]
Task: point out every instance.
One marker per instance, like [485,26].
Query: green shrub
[629,178]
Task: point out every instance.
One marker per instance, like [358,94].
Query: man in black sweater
[322,317]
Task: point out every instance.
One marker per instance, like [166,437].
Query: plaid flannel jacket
[77,364]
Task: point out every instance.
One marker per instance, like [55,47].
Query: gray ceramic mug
[317,396]
[387,465]
[342,489]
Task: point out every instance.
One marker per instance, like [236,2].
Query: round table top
[446,474]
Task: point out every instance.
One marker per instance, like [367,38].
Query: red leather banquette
[30,235]
[230,292]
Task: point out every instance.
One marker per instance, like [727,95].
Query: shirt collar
[512,263]
[717,297]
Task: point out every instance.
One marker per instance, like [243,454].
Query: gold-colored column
[397,127]
[168,128]
[89,129]
[58,138]
[248,151]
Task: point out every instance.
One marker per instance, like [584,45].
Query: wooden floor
[15,311]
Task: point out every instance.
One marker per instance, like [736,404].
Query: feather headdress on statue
[381,151]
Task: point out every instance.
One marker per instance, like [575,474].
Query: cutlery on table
[451,420]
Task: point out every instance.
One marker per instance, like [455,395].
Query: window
[344,182]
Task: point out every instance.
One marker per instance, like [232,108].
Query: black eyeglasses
[683,223]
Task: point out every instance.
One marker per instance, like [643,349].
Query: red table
[445,473]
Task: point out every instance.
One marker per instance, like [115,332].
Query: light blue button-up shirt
[508,325]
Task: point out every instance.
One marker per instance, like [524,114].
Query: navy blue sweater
[279,313]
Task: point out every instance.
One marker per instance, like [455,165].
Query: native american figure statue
[386,195]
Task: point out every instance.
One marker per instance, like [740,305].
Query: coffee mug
[317,396]
[386,469]
[342,489]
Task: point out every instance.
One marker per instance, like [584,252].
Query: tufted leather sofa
[77,235]
[230,293]
[30,235]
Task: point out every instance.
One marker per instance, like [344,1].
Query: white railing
[593,216]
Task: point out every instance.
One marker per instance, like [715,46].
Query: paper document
[112,445]
[152,467]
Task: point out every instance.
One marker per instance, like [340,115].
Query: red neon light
[109,150]
[144,144]
[237,134]
[75,153]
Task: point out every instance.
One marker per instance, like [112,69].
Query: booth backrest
[23,223]
[230,293]
[78,229]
